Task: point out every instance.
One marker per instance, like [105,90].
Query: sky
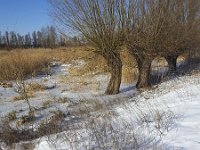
[23,16]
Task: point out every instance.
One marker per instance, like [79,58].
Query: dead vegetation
[35,87]
[10,136]
[22,63]
[22,96]
[101,130]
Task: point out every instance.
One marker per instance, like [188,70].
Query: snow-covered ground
[60,85]
[167,117]
[178,101]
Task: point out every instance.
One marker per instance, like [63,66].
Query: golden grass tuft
[6,85]
[22,96]
[47,104]
[35,87]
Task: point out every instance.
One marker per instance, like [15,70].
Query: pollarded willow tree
[186,30]
[150,23]
[156,29]
[101,22]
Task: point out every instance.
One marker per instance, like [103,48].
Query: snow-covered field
[167,117]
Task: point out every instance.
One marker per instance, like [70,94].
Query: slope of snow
[180,96]
[169,115]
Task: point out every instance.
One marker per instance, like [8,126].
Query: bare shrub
[102,131]
[7,134]
[51,125]
[14,137]
[162,121]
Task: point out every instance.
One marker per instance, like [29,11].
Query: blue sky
[23,16]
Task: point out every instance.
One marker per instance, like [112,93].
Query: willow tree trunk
[172,63]
[144,74]
[115,66]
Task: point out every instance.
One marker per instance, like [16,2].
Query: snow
[183,99]
[169,115]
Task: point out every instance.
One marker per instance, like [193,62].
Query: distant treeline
[47,37]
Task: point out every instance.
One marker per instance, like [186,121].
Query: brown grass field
[18,64]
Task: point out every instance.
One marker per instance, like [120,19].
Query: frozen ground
[167,117]
[180,98]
